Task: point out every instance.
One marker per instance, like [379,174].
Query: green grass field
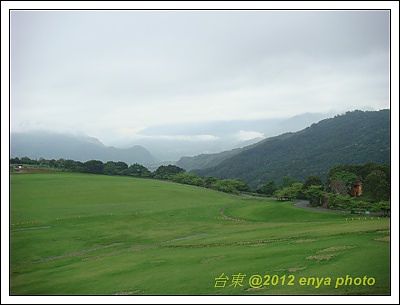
[78,234]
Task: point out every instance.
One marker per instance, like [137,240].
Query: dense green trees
[230,186]
[291,192]
[167,171]
[137,170]
[376,185]
[315,194]
[268,189]
[115,168]
[93,167]
[188,178]
[312,180]
[374,178]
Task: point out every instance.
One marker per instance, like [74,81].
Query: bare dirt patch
[234,243]
[33,228]
[385,239]
[300,241]
[73,254]
[319,258]
[183,238]
[131,249]
[128,292]
[213,259]
[32,170]
[296,269]
[338,248]
[383,232]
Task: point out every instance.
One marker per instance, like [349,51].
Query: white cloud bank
[106,72]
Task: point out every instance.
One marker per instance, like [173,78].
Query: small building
[356,190]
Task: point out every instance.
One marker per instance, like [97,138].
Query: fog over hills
[186,82]
[173,141]
[41,144]
[160,144]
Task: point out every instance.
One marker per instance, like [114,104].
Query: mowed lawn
[81,234]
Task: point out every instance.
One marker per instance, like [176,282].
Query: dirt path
[34,228]
[183,238]
[130,249]
[304,204]
[73,254]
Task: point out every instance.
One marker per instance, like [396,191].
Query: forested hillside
[206,160]
[353,138]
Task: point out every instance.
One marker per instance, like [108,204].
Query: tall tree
[167,171]
[376,186]
[137,170]
[341,182]
[93,167]
[312,180]
[268,188]
[287,181]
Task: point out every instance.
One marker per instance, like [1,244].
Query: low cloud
[109,73]
[244,135]
[193,138]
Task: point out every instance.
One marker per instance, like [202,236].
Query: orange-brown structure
[356,190]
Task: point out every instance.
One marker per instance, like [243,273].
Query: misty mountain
[206,160]
[354,138]
[171,142]
[78,148]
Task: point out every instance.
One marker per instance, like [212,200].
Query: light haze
[114,74]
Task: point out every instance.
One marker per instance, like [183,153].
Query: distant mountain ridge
[353,138]
[205,160]
[172,141]
[78,148]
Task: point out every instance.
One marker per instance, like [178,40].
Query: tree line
[373,181]
[163,172]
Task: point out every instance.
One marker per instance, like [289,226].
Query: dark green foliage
[290,192]
[361,170]
[354,138]
[268,189]
[375,179]
[167,171]
[206,160]
[341,182]
[209,181]
[93,167]
[115,168]
[383,206]
[230,186]
[312,180]
[376,185]
[287,181]
[188,178]
[339,202]
[315,194]
[137,170]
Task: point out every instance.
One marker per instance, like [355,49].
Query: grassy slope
[118,235]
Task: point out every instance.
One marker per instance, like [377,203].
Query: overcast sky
[111,74]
